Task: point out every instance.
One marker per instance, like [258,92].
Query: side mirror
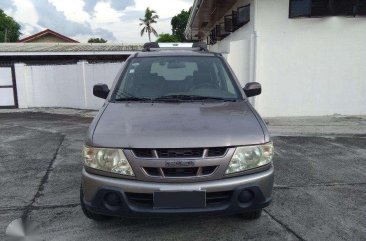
[101,91]
[252,89]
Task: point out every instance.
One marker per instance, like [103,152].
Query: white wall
[309,66]
[69,86]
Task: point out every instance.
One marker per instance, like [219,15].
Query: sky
[113,20]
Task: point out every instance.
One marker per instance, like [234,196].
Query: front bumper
[136,196]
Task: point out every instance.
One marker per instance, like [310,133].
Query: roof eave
[67,53]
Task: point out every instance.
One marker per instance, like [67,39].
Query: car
[176,135]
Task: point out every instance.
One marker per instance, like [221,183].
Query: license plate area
[180,199]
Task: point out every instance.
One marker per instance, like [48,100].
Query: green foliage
[97,40]
[179,23]
[9,29]
[149,19]
[167,38]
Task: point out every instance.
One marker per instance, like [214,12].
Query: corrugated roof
[67,47]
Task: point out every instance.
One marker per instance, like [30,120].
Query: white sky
[69,17]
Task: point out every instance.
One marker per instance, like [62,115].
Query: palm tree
[147,21]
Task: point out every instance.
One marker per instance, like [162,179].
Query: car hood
[177,125]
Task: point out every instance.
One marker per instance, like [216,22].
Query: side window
[321,8]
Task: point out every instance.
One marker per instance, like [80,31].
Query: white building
[309,55]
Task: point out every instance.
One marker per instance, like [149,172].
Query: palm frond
[154,32]
[143,31]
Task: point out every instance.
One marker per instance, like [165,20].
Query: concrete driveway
[320,184]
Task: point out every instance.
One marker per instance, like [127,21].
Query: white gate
[8,94]
[69,86]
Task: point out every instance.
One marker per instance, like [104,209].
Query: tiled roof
[67,47]
[49,32]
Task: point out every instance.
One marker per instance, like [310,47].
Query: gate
[8,89]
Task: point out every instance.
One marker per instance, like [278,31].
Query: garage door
[8,94]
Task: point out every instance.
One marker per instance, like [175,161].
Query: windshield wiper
[190,98]
[132,98]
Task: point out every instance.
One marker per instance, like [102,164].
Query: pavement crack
[284,226]
[31,208]
[44,180]
[70,205]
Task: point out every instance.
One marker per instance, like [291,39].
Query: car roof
[171,52]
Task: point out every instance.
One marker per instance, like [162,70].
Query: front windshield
[179,78]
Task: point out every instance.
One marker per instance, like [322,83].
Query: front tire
[89,214]
[252,215]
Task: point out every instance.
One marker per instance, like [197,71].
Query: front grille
[180,172]
[180,152]
[216,151]
[147,199]
[143,153]
[152,171]
[208,170]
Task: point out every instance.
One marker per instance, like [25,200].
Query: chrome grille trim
[179,153]
[139,163]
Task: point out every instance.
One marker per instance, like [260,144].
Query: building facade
[309,55]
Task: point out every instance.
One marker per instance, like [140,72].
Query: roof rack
[153,46]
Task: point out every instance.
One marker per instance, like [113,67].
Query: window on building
[345,7]
[361,8]
[221,31]
[212,39]
[243,16]
[229,27]
[300,8]
[322,8]
[231,23]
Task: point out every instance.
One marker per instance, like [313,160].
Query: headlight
[248,157]
[106,159]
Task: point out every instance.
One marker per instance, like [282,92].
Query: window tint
[320,8]
[300,8]
[345,7]
[361,8]
[154,77]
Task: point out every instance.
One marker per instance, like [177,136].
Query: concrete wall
[67,86]
[309,66]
